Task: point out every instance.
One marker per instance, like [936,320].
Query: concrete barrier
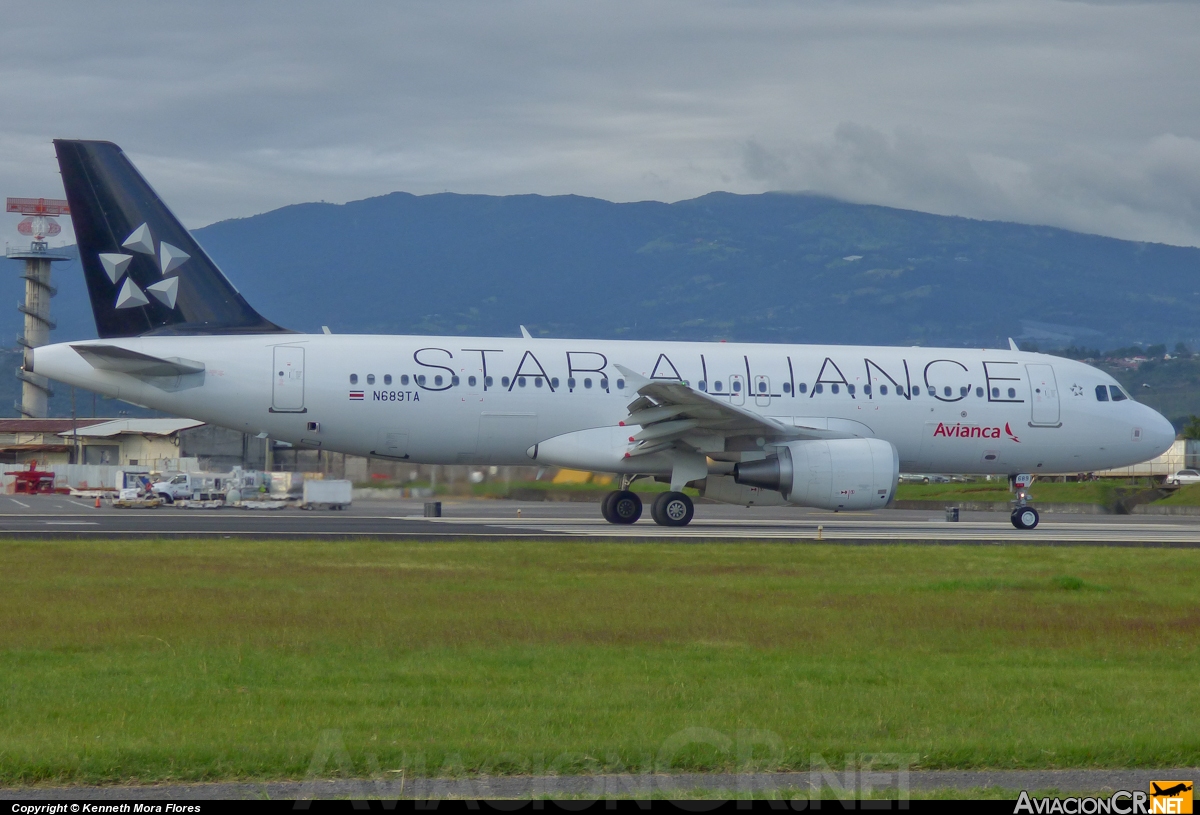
[1004,506]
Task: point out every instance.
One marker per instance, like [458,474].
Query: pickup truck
[187,485]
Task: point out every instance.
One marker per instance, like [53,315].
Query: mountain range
[775,267]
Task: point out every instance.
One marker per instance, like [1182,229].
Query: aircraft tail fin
[145,273]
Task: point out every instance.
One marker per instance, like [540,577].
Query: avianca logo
[965,431]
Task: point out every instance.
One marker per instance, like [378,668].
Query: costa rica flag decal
[356,396]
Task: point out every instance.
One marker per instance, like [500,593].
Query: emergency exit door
[288,393]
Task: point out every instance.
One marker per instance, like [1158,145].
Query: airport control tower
[39,224]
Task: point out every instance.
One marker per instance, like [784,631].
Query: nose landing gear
[1023,515]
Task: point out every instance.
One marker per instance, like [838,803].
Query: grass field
[231,659]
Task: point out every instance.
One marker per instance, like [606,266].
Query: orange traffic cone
[97,502]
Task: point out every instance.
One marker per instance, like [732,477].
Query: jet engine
[834,474]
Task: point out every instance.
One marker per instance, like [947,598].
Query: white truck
[191,486]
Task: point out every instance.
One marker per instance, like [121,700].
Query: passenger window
[818,388]
[804,387]
[737,386]
[850,389]
[504,380]
[487,381]
[946,390]
[521,381]
[604,384]
[1118,395]
[867,390]
[370,379]
[404,379]
[702,385]
[620,384]
[933,391]
[554,382]
[963,391]
[353,379]
[996,393]
[387,379]
[1101,393]
[571,382]
[762,387]
[915,392]
[454,380]
[835,388]
[587,383]
[437,380]
[979,393]
[537,381]
[420,379]
[471,381]
[717,386]
[1012,393]
[883,390]
[787,387]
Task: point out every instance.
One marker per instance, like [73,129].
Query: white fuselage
[487,400]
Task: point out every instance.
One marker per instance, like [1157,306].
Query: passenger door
[1044,395]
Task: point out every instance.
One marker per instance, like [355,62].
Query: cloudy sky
[1078,114]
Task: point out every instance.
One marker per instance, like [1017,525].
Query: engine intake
[834,474]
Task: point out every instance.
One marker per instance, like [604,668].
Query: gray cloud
[1074,114]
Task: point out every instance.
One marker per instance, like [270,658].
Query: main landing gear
[668,509]
[621,507]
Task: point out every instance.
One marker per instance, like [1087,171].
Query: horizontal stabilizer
[122,360]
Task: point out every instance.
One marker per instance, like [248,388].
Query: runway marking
[15,501]
[73,523]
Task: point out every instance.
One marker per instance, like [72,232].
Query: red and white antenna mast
[39,224]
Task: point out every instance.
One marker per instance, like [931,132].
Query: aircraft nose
[1159,432]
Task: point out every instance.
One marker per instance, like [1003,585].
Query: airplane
[1172,791]
[826,426]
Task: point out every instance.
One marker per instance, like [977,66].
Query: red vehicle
[33,481]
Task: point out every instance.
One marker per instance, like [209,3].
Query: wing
[670,412]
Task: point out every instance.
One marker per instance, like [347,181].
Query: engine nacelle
[724,489]
[833,474]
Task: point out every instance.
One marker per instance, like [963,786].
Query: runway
[64,517]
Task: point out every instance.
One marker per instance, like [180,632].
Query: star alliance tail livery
[752,424]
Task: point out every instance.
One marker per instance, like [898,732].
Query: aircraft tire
[626,507]
[1025,518]
[672,509]
[606,506]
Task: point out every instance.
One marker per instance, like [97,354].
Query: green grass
[1188,496]
[222,659]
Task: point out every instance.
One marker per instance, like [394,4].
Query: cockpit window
[1101,393]
[1118,395]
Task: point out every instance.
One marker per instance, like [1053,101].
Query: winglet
[525,333]
[1012,346]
